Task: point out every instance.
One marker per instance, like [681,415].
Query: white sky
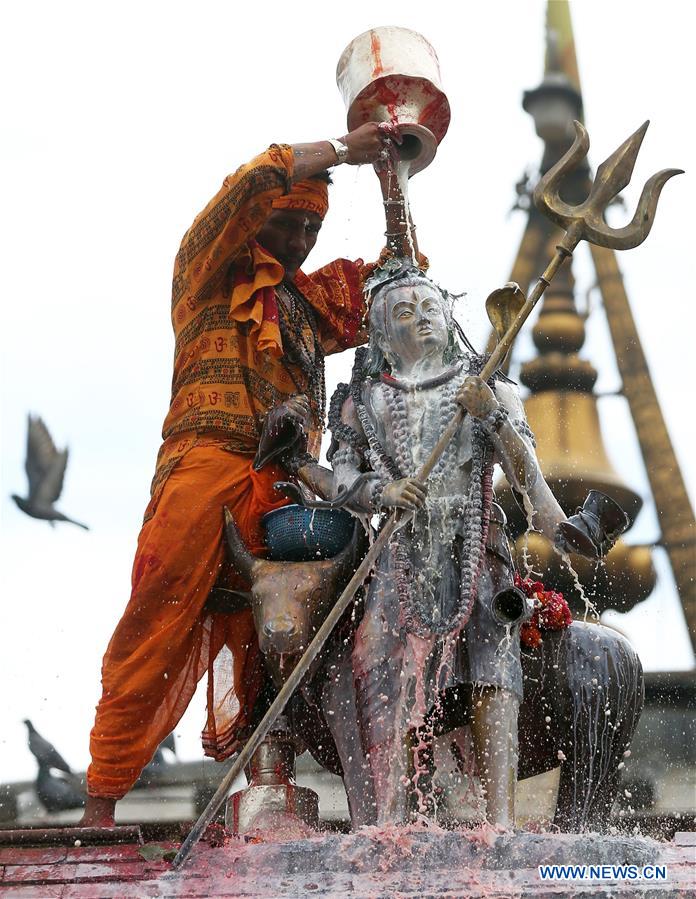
[120,122]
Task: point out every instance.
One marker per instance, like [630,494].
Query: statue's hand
[477,397]
[408,493]
[594,529]
[296,409]
[284,431]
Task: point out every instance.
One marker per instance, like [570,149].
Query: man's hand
[477,397]
[372,142]
[408,493]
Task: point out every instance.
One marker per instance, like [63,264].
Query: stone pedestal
[271,805]
[410,862]
[415,862]
[273,799]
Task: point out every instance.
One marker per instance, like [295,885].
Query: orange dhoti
[166,640]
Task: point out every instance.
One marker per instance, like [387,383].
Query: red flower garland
[552,615]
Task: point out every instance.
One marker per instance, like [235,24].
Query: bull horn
[240,556]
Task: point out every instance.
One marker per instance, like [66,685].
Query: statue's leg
[493,668]
[393,699]
[494,731]
[339,700]
[381,686]
[385,746]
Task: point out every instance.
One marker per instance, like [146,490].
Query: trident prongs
[587,220]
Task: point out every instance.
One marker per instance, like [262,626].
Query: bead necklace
[295,315]
[416,614]
[377,456]
[395,394]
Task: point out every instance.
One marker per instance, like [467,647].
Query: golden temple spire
[562,405]
[558,99]
[560,44]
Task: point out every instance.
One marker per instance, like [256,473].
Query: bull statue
[289,600]
[583,689]
[589,680]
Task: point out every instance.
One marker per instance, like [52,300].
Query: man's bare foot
[99,812]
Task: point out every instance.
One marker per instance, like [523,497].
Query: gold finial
[560,44]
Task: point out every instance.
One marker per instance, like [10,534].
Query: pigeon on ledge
[55,793]
[44,752]
[45,468]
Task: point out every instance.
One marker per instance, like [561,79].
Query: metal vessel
[392,74]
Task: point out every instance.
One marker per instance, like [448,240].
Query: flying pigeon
[45,468]
[55,793]
[44,752]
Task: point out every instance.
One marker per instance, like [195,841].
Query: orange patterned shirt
[227,367]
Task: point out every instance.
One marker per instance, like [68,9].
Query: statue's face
[416,323]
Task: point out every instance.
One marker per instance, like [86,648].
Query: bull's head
[289,599]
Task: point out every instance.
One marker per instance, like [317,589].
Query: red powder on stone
[216,834]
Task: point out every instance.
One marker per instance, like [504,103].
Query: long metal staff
[584,221]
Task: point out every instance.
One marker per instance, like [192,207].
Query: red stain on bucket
[376,47]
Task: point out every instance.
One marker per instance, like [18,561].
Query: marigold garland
[553,613]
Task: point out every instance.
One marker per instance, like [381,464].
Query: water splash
[604,680]
[590,607]
[529,512]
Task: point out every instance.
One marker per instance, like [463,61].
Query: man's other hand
[372,142]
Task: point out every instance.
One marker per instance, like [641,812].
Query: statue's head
[410,319]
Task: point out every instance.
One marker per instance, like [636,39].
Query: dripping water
[529,512]
[402,169]
[590,608]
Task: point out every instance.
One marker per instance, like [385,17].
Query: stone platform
[406,862]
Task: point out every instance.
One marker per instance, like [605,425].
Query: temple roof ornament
[562,404]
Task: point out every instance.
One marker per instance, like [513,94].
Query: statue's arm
[348,460]
[502,416]
[514,447]
[377,493]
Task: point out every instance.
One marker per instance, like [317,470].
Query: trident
[507,311]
